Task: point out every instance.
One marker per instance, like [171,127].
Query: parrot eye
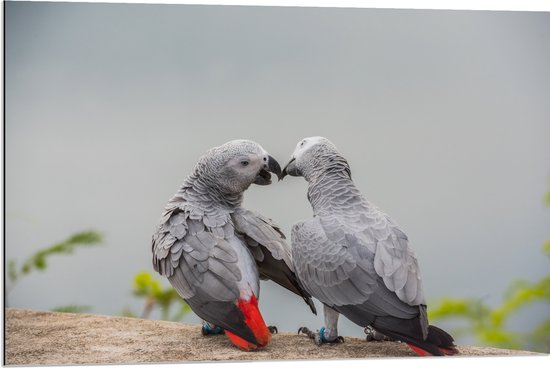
[302,144]
[244,162]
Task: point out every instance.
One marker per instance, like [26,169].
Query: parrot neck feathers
[198,188]
[327,192]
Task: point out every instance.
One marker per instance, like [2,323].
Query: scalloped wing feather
[193,251]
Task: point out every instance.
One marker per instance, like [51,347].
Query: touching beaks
[290,169]
[274,167]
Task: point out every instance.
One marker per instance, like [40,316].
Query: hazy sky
[444,117]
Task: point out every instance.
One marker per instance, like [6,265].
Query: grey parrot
[355,259]
[213,251]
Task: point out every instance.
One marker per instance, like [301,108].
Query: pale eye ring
[244,162]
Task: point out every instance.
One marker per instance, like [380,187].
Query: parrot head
[314,155]
[237,164]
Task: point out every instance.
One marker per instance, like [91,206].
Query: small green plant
[37,261]
[488,325]
[546,246]
[147,287]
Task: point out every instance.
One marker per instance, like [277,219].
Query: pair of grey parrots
[350,255]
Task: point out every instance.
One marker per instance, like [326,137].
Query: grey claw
[373,335]
[316,336]
[317,339]
[312,335]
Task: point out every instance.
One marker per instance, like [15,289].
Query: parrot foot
[208,329]
[318,337]
[315,336]
[373,335]
[273,329]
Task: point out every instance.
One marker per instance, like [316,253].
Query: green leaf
[85,238]
[546,248]
[147,287]
[547,198]
[514,287]
[539,338]
[454,307]
[499,338]
[38,260]
[12,270]
[488,325]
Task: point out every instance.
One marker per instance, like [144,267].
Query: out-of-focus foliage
[37,261]
[73,308]
[147,287]
[144,285]
[127,312]
[546,247]
[488,324]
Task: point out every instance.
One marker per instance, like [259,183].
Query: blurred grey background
[444,117]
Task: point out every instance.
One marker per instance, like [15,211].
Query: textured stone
[36,337]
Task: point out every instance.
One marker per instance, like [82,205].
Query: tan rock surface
[36,337]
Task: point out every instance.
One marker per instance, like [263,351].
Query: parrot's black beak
[270,166]
[274,167]
[290,169]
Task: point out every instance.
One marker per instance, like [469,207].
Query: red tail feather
[255,321]
[452,350]
[420,352]
[240,342]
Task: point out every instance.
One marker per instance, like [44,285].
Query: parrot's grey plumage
[353,257]
[211,249]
